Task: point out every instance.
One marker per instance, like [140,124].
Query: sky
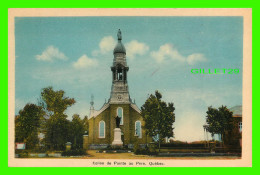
[75,54]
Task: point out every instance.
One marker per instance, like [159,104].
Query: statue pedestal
[117,138]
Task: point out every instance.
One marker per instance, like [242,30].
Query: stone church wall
[94,128]
[130,116]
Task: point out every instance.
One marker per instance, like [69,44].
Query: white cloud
[51,53]
[84,62]
[136,48]
[168,51]
[133,48]
[196,57]
[106,45]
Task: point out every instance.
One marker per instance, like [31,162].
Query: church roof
[96,113]
[106,105]
[135,107]
[120,48]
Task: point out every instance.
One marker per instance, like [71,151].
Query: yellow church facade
[102,123]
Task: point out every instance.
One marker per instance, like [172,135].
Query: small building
[237,119]
[102,122]
[232,138]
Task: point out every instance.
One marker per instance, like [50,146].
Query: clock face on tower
[119,97]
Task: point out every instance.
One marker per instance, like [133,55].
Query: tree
[54,101]
[57,130]
[212,120]
[27,124]
[85,123]
[219,120]
[158,116]
[231,137]
[77,131]
[56,127]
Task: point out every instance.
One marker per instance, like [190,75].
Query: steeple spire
[91,111]
[92,100]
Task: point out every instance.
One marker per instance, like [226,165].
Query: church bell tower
[119,90]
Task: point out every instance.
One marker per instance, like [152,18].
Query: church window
[138,129]
[240,126]
[120,114]
[102,129]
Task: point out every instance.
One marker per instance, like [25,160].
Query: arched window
[138,129]
[102,129]
[120,114]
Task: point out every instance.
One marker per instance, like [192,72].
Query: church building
[102,123]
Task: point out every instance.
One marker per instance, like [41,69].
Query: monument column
[117,134]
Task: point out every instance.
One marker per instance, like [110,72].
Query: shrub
[182,145]
[109,147]
[77,152]
[143,151]
[22,153]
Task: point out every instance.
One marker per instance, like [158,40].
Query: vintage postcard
[130,87]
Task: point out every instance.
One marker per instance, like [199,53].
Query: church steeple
[91,110]
[119,90]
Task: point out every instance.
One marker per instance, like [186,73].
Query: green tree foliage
[231,137]
[219,120]
[85,123]
[57,130]
[54,101]
[57,125]
[158,116]
[27,124]
[77,130]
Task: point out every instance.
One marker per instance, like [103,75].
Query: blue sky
[75,54]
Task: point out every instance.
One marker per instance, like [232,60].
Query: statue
[117,134]
[118,119]
[119,35]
